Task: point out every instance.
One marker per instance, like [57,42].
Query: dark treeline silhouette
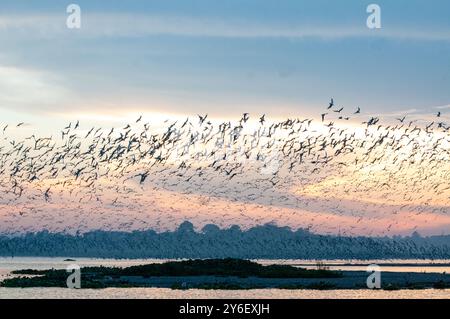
[261,242]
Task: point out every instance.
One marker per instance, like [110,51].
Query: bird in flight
[262,119]
[202,118]
[226,160]
[401,119]
[331,104]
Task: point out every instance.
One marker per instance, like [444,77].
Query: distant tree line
[261,242]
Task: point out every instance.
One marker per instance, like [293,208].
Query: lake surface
[156,293]
[428,266]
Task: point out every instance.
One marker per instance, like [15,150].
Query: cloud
[136,25]
[443,107]
[29,88]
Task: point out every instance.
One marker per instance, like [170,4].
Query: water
[156,293]
[9,264]
[393,265]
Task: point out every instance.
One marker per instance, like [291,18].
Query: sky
[283,58]
[172,59]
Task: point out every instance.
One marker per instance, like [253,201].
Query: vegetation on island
[102,277]
[224,274]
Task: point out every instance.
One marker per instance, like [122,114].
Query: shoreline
[223,274]
[350,280]
[396,282]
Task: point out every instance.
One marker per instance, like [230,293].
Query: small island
[228,273]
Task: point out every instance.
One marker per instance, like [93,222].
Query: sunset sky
[172,59]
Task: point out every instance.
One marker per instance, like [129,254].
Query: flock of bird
[297,167]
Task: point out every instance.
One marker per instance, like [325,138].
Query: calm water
[9,264]
[404,265]
[155,293]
